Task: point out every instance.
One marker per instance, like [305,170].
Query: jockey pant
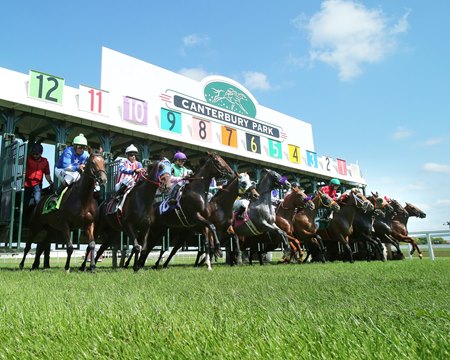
[68,177]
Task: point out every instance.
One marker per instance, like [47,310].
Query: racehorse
[192,212]
[260,217]
[137,211]
[341,226]
[220,208]
[305,227]
[399,227]
[382,225]
[363,225]
[295,200]
[77,210]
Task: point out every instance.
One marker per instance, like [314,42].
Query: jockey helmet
[131,149]
[295,184]
[37,149]
[335,182]
[79,140]
[179,156]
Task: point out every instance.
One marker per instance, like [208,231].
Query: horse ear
[100,149]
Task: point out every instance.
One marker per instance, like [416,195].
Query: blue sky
[372,77]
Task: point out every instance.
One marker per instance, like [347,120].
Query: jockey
[71,163]
[241,204]
[330,190]
[179,174]
[128,168]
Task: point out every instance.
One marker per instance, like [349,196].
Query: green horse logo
[229,97]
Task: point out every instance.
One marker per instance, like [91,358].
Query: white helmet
[131,149]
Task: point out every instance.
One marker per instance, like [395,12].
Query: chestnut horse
[305,227]
[193,211]
[399,227]
[220,208]
[341,226]
[77,210]
[137,212]
[295,200]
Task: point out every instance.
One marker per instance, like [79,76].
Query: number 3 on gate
[170,120]
[45,87]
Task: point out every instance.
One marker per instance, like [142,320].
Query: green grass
[392,310]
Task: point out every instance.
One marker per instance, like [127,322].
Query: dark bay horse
[261,216]
[399,227]
[220,208]
[341,226]
[305,227]
[371,245]
[137,211]
[383,225]
[192,212]
[77,210]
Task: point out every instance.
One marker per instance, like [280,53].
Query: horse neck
[84,188]
[145,192]
[202,180]
[347,211]
[287,208]
[312,213]
[226,197]
[264,189]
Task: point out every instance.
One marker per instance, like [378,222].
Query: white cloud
[439,168]
[195,40]
[346,35]
[256,81]
[445,202]
[194,73]
[433,141]
[401,133]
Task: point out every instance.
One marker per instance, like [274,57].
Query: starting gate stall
[159,112]
[12,165]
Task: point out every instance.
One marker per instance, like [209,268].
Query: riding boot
[120,191]
[240,213]
[61,188]
[173,195]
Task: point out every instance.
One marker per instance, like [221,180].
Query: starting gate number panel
[135,110]
[275,149]
[294,153]
[93,100]
[253,143]
[45,87]
[170,120]
[201,130]
[311,159]
[229,136]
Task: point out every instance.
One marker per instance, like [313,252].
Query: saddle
[112,205]
[53,202]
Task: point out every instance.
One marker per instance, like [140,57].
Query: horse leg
[25,252]
[172,254]
[37,256]
[47,255]
[66,234]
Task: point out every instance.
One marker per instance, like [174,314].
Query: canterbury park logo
[229,97]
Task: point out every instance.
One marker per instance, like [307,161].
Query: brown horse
[192,212]
[77,210]
[305,226]
[296,200]
[137,211]
[341,226]
[220,208]
[399,227]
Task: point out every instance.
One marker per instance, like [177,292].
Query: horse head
[398,209]
[95,167]
[380,203]
[220,165]
[297,199]
[159,174]
[276,180]
[246,186]
[327,201]
[414,211]
[356,198]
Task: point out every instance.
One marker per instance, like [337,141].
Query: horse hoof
[420,256]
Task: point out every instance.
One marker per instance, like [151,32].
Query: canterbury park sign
[227,104]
